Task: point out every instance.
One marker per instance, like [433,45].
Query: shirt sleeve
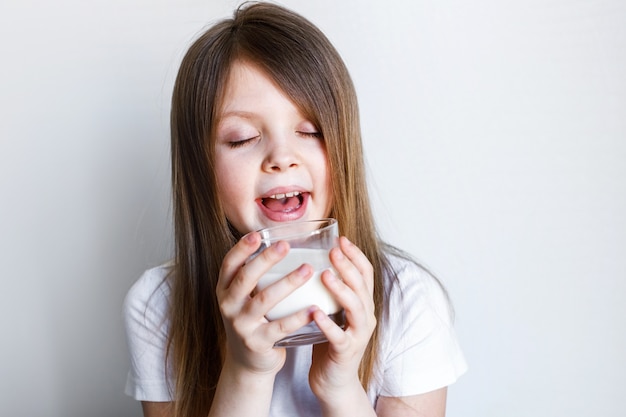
[145,318]
[421,351]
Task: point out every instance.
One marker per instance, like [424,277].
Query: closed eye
[316,135]
[240,143]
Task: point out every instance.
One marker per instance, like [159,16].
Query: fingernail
[282,247]
[303,270]
[250,237]
[332,275]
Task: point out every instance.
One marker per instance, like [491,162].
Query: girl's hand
[334,373]
[250,337]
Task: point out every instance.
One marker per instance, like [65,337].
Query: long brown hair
[304,64]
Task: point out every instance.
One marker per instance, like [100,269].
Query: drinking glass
[310,242]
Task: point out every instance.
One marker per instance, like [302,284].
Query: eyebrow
[237,113]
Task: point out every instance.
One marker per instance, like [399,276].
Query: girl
[265,130]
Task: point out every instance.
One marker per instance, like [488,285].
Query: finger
[359,260]
[283,327]
[263,301]
[350,274]
[359,311]
[337,337]
[246,279]
[236,257]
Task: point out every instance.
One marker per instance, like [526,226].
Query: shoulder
[146,320]
[148,298]
[409,285]
[151,282]
[408,270]
[419,351]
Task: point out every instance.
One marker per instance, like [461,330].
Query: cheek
[233,188]
[326,176]
[226,167]
[230,180]
[234,199]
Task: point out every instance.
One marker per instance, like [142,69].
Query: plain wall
[495,134]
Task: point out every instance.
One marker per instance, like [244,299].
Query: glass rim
[330,222]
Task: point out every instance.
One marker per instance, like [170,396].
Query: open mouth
[283,203]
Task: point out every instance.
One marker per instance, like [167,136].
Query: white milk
[313,292]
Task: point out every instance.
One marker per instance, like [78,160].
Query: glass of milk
[310,243]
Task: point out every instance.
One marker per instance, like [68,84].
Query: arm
[156,409]
[242,393]
[247,378]
[334,372]
[237,394]
[431,404]
[423,352]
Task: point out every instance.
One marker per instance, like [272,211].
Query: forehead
[246,80]
[249,89]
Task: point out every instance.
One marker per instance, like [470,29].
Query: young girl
[265,130]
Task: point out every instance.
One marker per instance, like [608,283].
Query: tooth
[285,195]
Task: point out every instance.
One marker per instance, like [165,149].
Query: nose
[281,156]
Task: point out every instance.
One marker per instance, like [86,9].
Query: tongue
[282,204]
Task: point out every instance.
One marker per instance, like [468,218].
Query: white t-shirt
[419,351]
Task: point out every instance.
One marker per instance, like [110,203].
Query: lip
[282,190]
[287,216]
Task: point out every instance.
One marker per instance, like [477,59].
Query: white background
[496,138]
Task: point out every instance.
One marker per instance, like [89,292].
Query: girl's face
[270,161]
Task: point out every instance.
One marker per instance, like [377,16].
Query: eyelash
[241,143]
[316,135]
